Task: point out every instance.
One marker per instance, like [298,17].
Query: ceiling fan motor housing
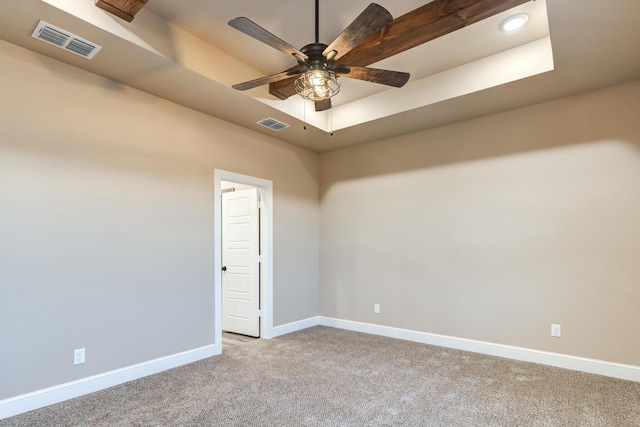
[316,60]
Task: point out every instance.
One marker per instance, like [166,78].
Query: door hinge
[259,313]
[259,258]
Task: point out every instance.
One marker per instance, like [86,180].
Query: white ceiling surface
[184,51]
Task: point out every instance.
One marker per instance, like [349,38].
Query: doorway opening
[223,181]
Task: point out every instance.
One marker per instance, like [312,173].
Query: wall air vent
[65,40]
[272,124]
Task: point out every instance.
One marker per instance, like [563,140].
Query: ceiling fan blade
[375,75]
[372,19]
[252,29]
[323,105]
[267,79]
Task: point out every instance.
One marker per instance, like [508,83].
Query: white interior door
[240,261]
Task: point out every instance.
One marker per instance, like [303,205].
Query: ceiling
[185,52]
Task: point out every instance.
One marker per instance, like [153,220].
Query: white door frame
[266,251]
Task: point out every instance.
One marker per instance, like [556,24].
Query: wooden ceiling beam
[428,22]
[433,20]
[124,9]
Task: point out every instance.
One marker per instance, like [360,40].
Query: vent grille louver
[272,124]
[65,40]
[53,36]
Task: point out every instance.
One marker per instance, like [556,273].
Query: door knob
[224,268]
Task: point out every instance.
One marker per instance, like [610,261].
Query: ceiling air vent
[65,40]
[272,124]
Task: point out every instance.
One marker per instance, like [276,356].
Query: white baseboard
[593,366]
[295,326]
[49,396]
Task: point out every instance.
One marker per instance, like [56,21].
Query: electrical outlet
[78,356]
[556,330]
[376,308]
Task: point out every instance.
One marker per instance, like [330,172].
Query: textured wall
[494,228]
[106,222]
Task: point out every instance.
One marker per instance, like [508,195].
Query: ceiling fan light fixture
[514,22]
[317,85]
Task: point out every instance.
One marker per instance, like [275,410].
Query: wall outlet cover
[78,356]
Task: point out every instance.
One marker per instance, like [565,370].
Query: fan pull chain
[331,122]
[304,114]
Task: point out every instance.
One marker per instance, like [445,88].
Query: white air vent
[272,124]
[65,40]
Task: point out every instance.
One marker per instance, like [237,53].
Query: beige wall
[106,222]
[494,228]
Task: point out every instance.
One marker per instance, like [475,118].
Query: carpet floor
[329,377]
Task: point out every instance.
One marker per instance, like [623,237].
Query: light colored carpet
[329,377]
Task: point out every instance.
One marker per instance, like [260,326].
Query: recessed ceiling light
[514,22]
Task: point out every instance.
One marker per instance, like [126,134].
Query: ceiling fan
[319,65]
[373,36]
